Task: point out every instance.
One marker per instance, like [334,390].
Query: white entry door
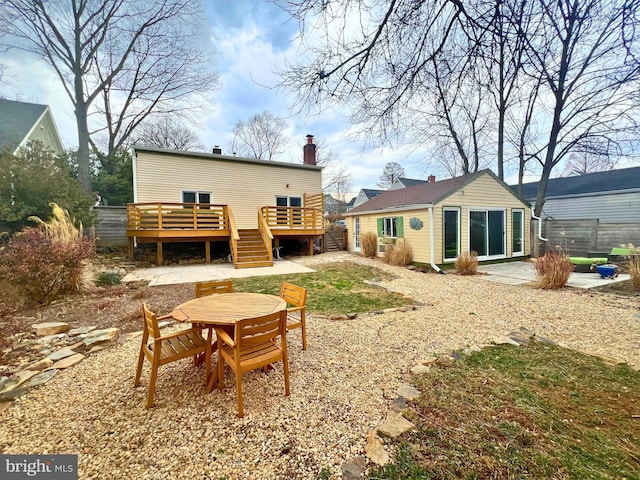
[356,234]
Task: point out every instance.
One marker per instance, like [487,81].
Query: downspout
[539,232]
[539,227]
[432,246]
[134,176]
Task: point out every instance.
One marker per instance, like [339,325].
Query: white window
[389,227]
[194,196]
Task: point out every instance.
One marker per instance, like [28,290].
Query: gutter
[432,247]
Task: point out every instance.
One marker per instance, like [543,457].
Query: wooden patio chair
[210,288]
[204,289]
[163,349]
[254,345]
[296,298]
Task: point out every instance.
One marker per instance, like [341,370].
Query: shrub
[369,244]
[47,261]
[400,254]
[106,279]
[467,263]
[553,270]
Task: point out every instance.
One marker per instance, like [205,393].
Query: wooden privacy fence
[586,237]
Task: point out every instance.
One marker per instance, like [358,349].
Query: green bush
[42,268]
[31,180]
[107,279]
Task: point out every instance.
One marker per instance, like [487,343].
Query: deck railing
[265,233]
[177,216]
[293,218]
[233,237]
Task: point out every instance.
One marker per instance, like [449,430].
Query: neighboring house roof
[598,182]
[423,194]
[225,158]
[370,192]
[406,182]
[19,124]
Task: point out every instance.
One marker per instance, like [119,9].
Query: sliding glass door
[487,232]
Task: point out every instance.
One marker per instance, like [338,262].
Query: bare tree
[165,133]
[580,164]
[262,136]
[127,52]
[586,53]
[336,177]
[392,172]
[570,68]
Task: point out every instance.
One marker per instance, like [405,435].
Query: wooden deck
[187,222]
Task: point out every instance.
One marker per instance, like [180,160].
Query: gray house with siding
[611,196]
[591,213]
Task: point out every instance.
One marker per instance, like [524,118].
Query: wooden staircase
[251,251]
[334,240]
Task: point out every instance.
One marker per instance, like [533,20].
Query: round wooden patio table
[225,309]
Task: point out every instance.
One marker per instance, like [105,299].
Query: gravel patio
[341,387]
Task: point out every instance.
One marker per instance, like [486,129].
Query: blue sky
[247,41]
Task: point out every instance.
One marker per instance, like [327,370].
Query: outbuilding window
[389,228]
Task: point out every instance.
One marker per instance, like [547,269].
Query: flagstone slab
[50,328]
[62,353]
[74,332]
[67,362]
[98,337]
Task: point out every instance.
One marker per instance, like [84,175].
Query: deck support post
[130,248]
[310,247]
[159,248]
[207,250]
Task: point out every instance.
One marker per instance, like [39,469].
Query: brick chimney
[432,179]
[309,152]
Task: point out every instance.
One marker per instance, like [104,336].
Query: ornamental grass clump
[553,270]
[398,254]
[467,263]
[47,261]
[368,244]
[633,264]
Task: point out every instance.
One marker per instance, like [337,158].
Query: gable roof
[423,194]
[371,192]
[17,120]
[411,182]
[609,181]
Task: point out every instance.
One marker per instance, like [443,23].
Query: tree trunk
[84,174]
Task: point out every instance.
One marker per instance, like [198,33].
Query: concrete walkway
[517,273]
[174,274]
